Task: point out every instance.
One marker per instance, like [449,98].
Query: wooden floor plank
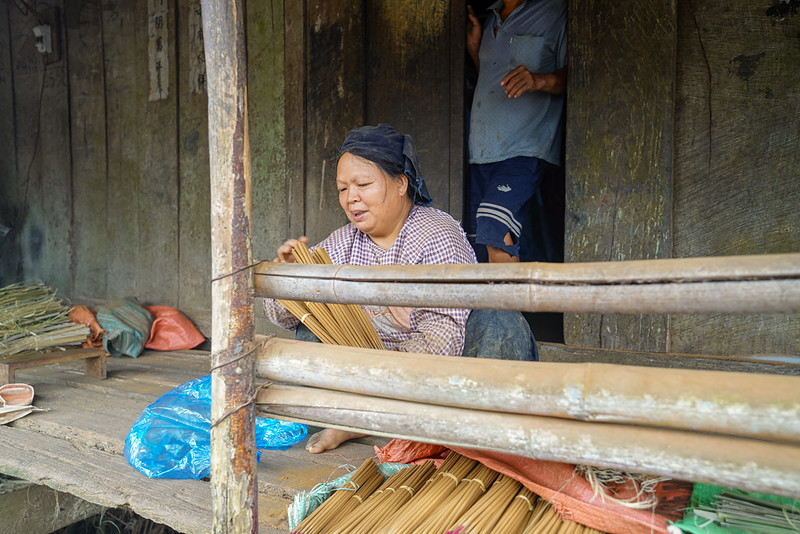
[76,446]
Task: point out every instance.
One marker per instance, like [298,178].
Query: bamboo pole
[749,464]
[737,284]
[234,487]
[750,405]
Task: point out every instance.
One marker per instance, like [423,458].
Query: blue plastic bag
[172,437]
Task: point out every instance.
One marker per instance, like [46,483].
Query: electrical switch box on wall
[44,42]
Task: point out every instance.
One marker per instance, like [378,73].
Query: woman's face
[375,203]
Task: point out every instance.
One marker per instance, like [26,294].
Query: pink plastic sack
[172,330]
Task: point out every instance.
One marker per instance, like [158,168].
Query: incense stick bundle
[545,520]
[517,514]
[332,323]
[481,518]
[447,477]
[398,490]
[345,523]
[318,519]
[459,501]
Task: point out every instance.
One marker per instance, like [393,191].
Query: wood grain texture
[334,93]
[266,87]
[88,147]
[193,229]
[77,445]
[294,116]
[410,83]
[10,205]
[157,256]
[125,68]
[43,157]
[735,190]
[619,145]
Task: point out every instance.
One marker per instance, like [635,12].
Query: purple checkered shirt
[429,236]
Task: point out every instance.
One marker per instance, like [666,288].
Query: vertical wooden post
[233,452]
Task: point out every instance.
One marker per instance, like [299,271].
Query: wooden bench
[95,364]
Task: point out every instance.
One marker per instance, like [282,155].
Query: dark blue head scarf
[393,152]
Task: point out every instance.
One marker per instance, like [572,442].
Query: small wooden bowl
[16,395]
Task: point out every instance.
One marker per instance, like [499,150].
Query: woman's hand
[285,251]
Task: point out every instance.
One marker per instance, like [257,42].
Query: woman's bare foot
[328,439]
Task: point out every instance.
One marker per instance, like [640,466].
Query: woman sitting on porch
[382,192]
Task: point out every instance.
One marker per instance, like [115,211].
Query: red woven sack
[172,330]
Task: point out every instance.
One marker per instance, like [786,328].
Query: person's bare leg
[498,255]
[328,439]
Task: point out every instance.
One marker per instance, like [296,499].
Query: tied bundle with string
[32,318]
[395,492]
[361,484]
[335,324]
[444,481]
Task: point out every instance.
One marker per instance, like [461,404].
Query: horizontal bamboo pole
[754,405]
[743,463]
[747,284]
[752,267]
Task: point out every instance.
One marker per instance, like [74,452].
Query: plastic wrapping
[172,437]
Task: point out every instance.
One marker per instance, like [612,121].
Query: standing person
[516,124]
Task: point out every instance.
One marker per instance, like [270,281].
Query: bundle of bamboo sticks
[33,318]
[335,324]
[462,496]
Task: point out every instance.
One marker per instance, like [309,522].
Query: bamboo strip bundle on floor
[518,513]
[484,501]
[33,318]
[443,483]
[399,488]
[481,518]
[459,501]
[365,478]
[545,520]
[334,324]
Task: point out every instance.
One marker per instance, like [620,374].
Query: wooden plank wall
[118,189]
[415,82]
[716,175]
[9,184]
[334,103]
[682,127]
[619,150]
[737,161]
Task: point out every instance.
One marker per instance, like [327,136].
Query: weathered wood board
[737,131]
[125,56]
[417,89]
[77,445]
[9,251]
[618,158]
[87,103]
[43,157]
[334,96]
[194,191]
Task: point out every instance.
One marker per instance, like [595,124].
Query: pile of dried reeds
[335,324]
[462,496]
[33,318]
